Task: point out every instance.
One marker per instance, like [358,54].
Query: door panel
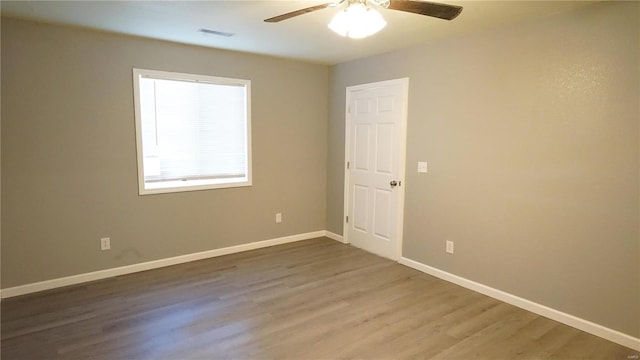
[361,147]
[385,104]
[376,123]
[382,201]
[384,148]
[360,207]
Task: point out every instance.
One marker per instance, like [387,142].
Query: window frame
[212,183]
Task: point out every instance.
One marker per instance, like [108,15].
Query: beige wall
[531,132]
[69,155]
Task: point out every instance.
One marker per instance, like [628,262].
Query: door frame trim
[402,153]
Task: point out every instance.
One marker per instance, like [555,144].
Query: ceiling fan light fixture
[357,21]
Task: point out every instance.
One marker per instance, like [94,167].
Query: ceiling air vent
[214,32]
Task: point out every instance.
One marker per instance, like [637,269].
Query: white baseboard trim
[334,236]
[567,319]
[102,274]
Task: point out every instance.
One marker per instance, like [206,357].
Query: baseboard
[567,319]
[334,236]
[102,274]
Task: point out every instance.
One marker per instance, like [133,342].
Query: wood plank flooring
[315,299]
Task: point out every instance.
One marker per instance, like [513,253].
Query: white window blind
[194,131]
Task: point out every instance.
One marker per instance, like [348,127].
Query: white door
[375,155]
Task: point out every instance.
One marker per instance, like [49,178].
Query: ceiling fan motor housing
[441,11]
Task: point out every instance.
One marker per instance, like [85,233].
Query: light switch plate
[422,166]
[105,243]
[449,247]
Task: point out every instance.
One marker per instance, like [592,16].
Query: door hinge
[347,219]
[348,164]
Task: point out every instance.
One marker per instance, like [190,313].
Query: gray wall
[69,155]
[0,159]
[531,132]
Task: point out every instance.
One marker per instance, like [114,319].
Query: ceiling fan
[441,11]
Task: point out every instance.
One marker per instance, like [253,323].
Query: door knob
[393,183]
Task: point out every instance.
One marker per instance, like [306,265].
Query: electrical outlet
[422,167]
[449,247]
[105,243]
[278,218]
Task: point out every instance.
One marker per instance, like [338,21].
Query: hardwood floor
[315,299]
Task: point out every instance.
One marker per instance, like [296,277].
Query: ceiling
[305,37]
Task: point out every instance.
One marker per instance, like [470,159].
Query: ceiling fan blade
[441,11]
[298,12]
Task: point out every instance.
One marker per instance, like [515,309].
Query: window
[193,132]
